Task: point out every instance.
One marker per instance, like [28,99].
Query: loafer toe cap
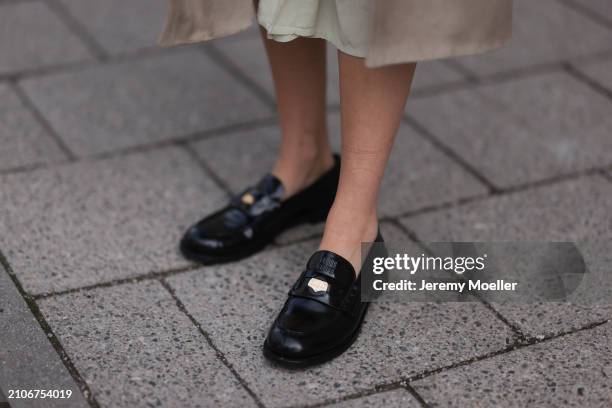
[196,240]
[285,344]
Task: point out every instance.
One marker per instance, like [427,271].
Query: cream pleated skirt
[344,23]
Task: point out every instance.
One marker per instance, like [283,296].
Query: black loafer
[323,314]
[256,216]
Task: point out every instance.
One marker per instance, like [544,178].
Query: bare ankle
[345,232]
[298,171]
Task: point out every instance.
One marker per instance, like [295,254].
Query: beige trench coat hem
[192,21]
[391,56]
[199,36]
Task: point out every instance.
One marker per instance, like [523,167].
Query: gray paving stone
[242,299]
[577,210]
[601,72]
[241,158]
[248,53]
[602,7]
[527,130]
[136,349]
[390,399]
[544,31]
[92,222]
[133,103]
[433,74]
[590,303]
[23,142]
[570,371]
[574,210]
[306,231]
[547,319]
[418,175]
[33,37]
[120,26]
[301,232]
[27,358]
[390,232]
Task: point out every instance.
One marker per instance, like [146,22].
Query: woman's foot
[323,314]
[255,217]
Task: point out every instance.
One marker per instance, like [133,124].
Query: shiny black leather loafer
[323,314]
[256,216]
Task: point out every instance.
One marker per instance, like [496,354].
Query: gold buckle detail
[247,198]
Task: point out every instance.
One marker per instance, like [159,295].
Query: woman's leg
[298,70]
[309,330]
[305,165]
[372,104]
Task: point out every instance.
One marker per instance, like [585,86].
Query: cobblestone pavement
[110,147]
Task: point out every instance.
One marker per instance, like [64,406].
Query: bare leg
[298,70]
[372,104]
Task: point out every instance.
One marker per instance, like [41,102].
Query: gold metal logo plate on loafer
[248,199]
[318,285]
